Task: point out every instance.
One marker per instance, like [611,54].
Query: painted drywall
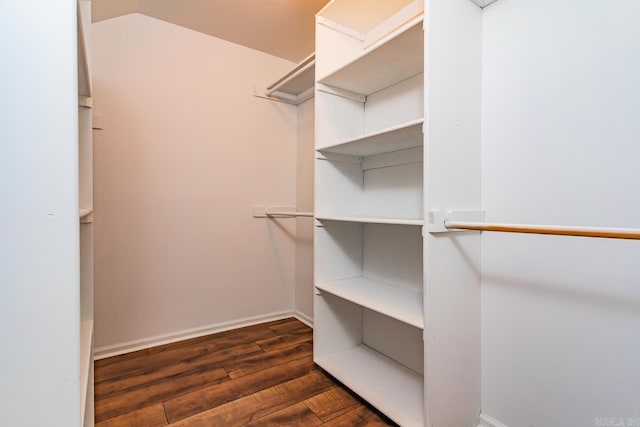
[304,199]
[561,315]
[185,153]
[283,28]
[39,265]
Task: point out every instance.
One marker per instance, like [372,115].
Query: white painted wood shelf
[396,302]
[394,138]
[393,59]
[370,219]
[389,386]
[84,212]
[296,86]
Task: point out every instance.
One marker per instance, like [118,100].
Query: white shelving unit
[85,212]
[397,107]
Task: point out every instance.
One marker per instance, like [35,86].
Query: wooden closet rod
[607,233]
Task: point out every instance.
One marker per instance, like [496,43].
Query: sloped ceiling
[283,28]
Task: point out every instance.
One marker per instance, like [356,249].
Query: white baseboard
[303,318]
[141,344]
[487,421]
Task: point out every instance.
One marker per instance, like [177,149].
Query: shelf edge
[371,220]
[387,131]
[326,287]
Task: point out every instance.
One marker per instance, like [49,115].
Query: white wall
[39,278]
[561,315]
[186,152]
[304,198]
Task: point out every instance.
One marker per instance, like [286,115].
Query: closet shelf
[395,58]
[389,386]
[86,215]
[393,301]
[400,137]
[86,344]
[297,85]
[371,219]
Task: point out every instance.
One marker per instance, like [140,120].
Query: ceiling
[283,28]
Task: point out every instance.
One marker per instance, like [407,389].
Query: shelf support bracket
[341,92]
[340,28]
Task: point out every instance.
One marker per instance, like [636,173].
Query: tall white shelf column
[85,211]
[45,251]
[397,121]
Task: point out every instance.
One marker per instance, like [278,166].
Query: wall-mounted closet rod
[607,233]
[288,214]
[302,67]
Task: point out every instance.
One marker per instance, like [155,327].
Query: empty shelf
[86,215]
[392,60]
[394,389]
[296,86]
[371,219]
[406,135]
[399,303]
[84,212]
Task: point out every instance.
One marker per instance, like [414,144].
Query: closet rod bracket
[437,219]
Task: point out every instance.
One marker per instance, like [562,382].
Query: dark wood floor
[261,375]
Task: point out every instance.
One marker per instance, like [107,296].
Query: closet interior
[383,190]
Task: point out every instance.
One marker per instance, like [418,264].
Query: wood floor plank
[360,416]
[212,380]
[286,320]
[265,359]
[156,374]
[259,330]
[128,401]
[213,396]
[151,416]
[171,354]
[292,416]
[290,326]
[285,340]
[258,405]
[332,403]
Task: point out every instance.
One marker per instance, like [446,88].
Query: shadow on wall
[559,292]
